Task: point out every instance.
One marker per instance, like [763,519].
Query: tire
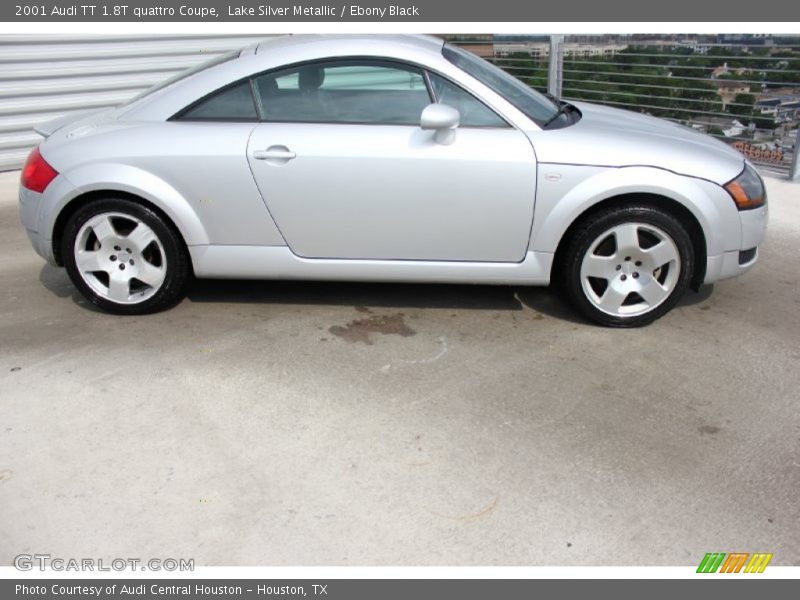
[627,266]
[124,257]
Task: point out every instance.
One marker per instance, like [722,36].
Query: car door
[347,172]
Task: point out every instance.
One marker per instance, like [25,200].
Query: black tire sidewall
[586,234]
[174,250]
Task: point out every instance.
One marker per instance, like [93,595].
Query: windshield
[538,107]
[207,64]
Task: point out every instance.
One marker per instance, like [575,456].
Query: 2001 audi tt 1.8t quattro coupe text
[386,158]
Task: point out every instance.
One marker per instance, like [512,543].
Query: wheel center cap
[123,256]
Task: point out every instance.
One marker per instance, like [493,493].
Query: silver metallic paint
[617,138]
[264,262]
[393,192]
[460,213]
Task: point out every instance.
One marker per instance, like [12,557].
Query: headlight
[747,190]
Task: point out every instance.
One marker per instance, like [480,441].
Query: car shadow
[357,294]
[546,300]
[692,297]
[58,283]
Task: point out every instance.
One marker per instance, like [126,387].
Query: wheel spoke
[630,271]
[129,251]
[119,288]
[602,267]
[659,255]
[141,237]
[151,274]
[627,237]
[612,299]
[653,292]
[103,228]
[88,261]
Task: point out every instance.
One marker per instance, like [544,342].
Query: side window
[344,91]
[474,113]
[233,103]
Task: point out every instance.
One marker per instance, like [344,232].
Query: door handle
[280,153]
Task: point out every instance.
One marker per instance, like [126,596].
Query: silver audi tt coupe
[385,158]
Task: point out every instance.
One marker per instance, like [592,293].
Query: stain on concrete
[483,512]
[5,476]
[360,330]
[709,429]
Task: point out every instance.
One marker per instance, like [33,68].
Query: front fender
[567,191]
[114,177]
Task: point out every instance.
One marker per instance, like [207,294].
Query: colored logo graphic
[734,562]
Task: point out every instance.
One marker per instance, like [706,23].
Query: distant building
[768,106]
[536,50]
[726,70]
[590,50]
[788,111]
[667,43]
[783,110]
[727,90]
[541,50]
[479,44]
[484,50]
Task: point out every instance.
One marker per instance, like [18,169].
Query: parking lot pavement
[351,424]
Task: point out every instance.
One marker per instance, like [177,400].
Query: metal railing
[743,90]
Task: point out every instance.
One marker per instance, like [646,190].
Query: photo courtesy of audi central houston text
[386,158]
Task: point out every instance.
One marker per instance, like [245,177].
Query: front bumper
[741,259]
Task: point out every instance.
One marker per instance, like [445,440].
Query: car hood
[620,138]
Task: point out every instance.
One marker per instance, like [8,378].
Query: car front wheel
[124,258]
[626,267]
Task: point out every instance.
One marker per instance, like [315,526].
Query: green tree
[743,105]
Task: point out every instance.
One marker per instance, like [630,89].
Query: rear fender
[112,177]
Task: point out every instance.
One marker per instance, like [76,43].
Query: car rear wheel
[626,267]
[124,257]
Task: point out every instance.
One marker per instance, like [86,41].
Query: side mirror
[443,120]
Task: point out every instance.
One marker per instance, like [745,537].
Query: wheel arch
[669,205]
[704,208]
[75,204]
[130,183]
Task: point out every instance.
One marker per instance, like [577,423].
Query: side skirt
[278,262]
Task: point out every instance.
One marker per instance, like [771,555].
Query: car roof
[287,42]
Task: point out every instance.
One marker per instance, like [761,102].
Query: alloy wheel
[120,258]
[630,269]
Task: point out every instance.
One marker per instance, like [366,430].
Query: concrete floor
[268,423]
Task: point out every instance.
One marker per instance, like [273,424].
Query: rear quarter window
[232,104]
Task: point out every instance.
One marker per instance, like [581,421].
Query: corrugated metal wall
[45,76]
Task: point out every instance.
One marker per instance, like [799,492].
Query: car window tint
[536,106]
[233,103]
[474,113]
[344,92]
